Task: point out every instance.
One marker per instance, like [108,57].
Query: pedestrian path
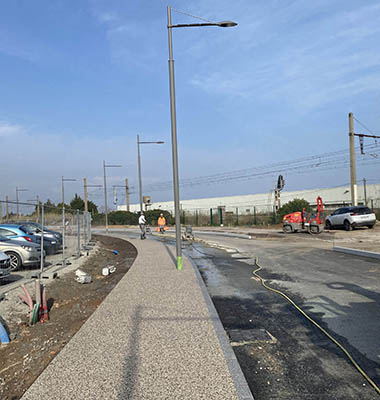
[156,336]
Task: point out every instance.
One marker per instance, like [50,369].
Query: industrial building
[264,202]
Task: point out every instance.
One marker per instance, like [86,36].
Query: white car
[5,265]
[351,217]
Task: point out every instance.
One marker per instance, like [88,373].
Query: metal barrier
[62,232]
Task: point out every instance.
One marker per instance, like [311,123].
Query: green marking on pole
[179,263]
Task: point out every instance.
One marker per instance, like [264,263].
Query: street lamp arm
[222,24]
[159,142]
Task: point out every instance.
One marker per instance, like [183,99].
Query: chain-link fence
[26,227]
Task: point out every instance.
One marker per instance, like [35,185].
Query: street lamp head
[226,24]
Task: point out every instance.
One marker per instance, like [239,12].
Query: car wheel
[15,260]
[347,226]
[287,228]
[371,226]
[328,225]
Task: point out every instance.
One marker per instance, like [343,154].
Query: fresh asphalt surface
[341,292]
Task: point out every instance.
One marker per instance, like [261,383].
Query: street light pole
[139,167]
[223,24]
[105,189]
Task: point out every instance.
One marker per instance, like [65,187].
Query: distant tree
[123,218]
[293,206]
[50,207]
[77,203]
[152,216]
[92,207]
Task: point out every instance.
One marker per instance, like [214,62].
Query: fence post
[78,233]
[42,238]
[237,215]
[254,215]
[211,219]
[220,216]
[196,218]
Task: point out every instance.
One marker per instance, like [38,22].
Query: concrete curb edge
[360,253]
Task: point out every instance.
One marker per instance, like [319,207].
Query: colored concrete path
[155,336]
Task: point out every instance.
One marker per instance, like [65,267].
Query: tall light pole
[105,189]
[139,166]
[17,192]
[223,24]
[63,215]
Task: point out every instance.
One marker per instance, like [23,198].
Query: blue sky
[80,79]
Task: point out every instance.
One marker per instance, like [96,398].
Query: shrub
[151,217]
[293,206]
[123,218]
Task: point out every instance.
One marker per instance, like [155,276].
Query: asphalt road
[341,292]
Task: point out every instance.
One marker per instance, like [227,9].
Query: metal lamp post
[222,24]
[105,189]
[17,192]
[139,166]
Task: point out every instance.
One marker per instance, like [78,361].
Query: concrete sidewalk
[156,336]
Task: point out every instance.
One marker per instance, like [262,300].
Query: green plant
[123,218]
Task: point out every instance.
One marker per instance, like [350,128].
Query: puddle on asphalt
[217,284]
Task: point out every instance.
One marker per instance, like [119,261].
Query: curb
[360,253]
[241,385]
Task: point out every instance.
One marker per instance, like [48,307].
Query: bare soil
[70,305]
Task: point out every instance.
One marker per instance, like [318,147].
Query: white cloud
[7,129]
[305,53]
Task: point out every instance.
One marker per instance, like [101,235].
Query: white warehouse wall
[332,197]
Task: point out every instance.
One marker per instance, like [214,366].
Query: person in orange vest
[161,223]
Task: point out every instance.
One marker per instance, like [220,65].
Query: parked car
[5,265]
[51,244]
[20,254]
[36,227]
[351,217]
[17,232]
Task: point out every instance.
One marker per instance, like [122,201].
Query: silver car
[5,265]
[20,253]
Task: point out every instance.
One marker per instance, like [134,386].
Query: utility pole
[85,187]
[7,208]
[127,195]
[1,212]
[354,186]
[38,209]
[365,190]
[85,195]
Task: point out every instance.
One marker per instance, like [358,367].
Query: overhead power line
[321,162]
